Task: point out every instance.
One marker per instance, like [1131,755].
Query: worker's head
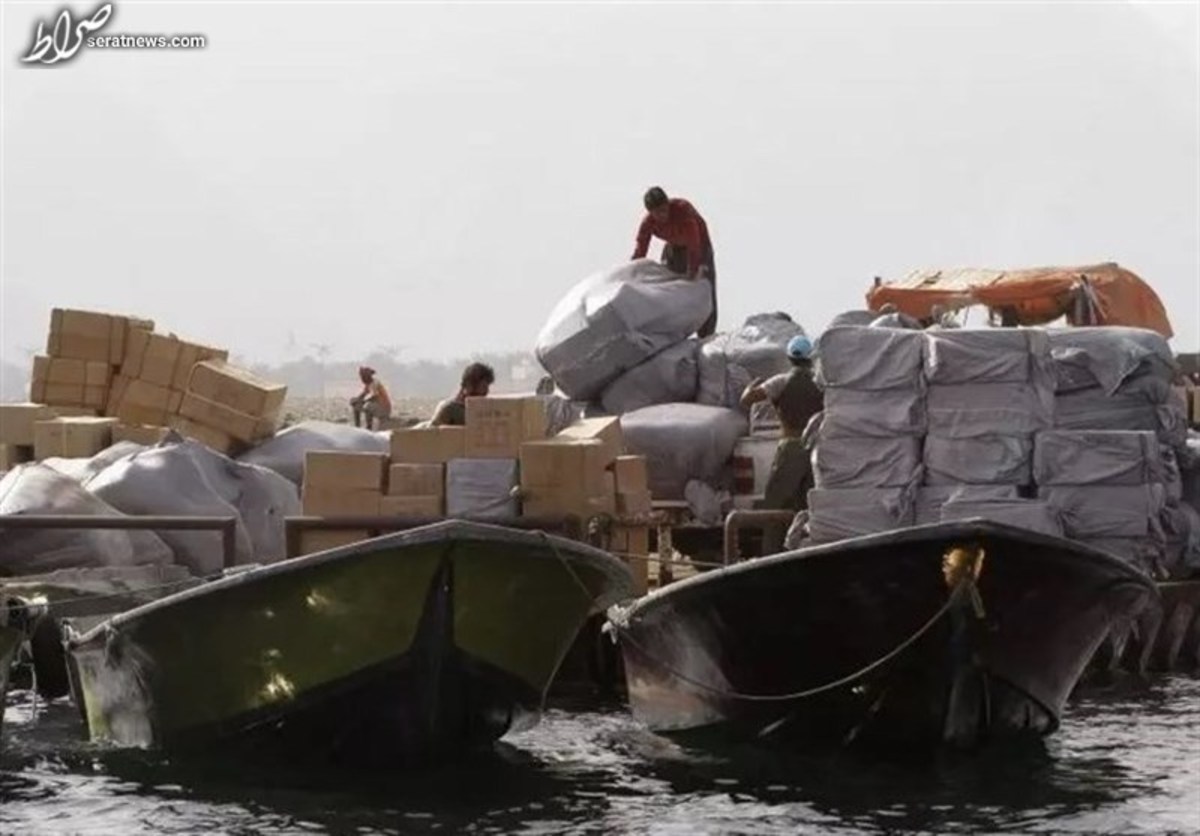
[366,374]
[477,380]
[799,350]
[656,202]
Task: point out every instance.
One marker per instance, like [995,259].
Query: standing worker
[688,248]
[797,398]
[476,382]
[373,403]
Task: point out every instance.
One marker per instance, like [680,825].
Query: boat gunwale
[450,530]
[971,527]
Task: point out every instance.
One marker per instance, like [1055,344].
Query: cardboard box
[320,541]
[632,474]
[74,438]
[143,402]
[417,507]
[139,434]
[70,382]
[240,425]
[323,501]
[349,471]
[236,389]
[569,466]
[1195,408]
[607,430]
[214,438]
[428,445]
[634,503]
[12,455]
[498,426]
[17,420]
[90,335]
[116,391]
[416,480]
[164,359]
[558,501]
[65,411]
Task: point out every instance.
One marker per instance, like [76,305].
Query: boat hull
[868,641]
[408,647]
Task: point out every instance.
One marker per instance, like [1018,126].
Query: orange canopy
[1103,294]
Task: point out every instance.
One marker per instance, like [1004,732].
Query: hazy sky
[437,176]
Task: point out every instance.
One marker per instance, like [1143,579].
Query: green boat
[414,646]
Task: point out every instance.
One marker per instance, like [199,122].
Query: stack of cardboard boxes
[228,408]
[341,485]
[154,373]
[84,349]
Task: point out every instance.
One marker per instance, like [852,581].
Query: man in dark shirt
[797,399]
[688,248]
[477,380]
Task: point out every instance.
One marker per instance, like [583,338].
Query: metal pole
[227,526]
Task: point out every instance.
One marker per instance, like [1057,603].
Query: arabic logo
[65,40]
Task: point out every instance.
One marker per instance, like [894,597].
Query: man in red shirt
[688,248]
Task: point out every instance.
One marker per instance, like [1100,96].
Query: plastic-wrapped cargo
[1141,553]
[931,498]
[838,513]
[1097,457]
[682,442]
[482,488]
[616,319]
[1092,409]
[986,355]
[668,377]
[37,489]
[284,453]
[729,362]
[1181,527]
[1123,511]
[870,358]
[720,380]
[1031,514]
[865,462]
[972,410]
[1107,357]
[980,460]
[879,414]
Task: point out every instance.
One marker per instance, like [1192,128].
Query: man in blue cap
[797,398]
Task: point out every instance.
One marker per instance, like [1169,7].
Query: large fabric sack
[760,345]
[682,442]
[853,318]
[1031,514]
[1107,357]
[284,453]
[37,489]
[668,377]
[986,355]
[616,319]
[981,460]
[1108,510]
[870,358]
[83,469]
[971,410]
[1181,527]
[482,488]
[880,414]
[865,462]
[931,498]
[1092,409]
[720,380]
[838,513]
[1097,457]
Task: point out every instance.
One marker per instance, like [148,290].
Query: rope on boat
[959,571]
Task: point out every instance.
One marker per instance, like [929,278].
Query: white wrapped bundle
[981,460]
[865,462]
[1097,457]
[870,358]
[838,513]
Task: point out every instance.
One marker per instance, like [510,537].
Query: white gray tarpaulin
[865,462]
[1181,525]
[971,410]
[1030,514]
[980,460]
[880,414]
[482,488]
[1091,409]
[1108,510]
[870,358]
[284,452]
[931,498]
[681,442]
[616,319]
[721,381]
[1107,357]
[838,513]
[668,377]
[730,362]
[1097,457]
[986,355]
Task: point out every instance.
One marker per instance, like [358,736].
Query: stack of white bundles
[989,391]
[1110,488]
[1116,379]
[867,453]
[668,377]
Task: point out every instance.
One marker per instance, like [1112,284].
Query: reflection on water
[1125,761]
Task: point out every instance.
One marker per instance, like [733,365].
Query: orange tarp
[1036,296]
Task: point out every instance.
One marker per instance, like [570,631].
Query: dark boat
[950,633]
[413,646]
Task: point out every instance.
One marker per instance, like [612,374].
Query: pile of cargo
[1074,433]
[504,463]
[107,378]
